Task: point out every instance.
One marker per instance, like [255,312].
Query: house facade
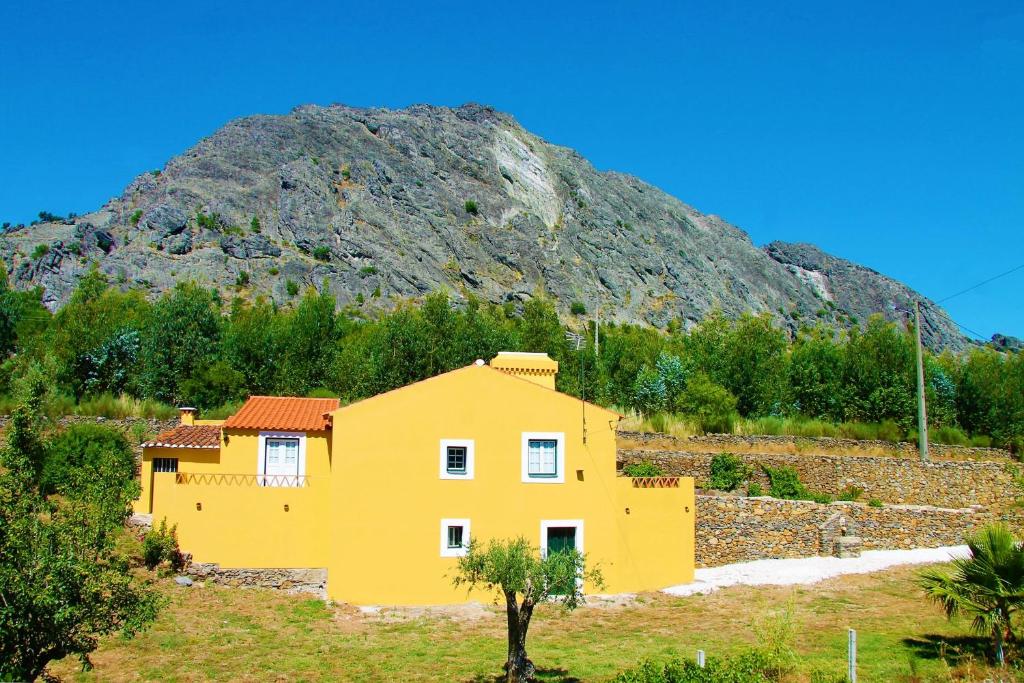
[386,493]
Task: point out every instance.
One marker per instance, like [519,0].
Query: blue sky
[892,136]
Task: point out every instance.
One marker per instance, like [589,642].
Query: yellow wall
[388,499]
[242,524]
[656,536]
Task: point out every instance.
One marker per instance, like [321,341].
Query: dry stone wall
[943,483]
[738,529]
[805,445]
[290,580]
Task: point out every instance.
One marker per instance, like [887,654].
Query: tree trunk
[518,667]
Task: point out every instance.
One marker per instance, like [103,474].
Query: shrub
[751,666]
[135,217]
[876,503]
[322,253]
[851,493]
[784,482]
[291,287]
[981,441]
[775,633]
[577,308]
[755,490]
[254,224]
[208,222]
[728,472]
[711,404]
[948,435]
[161,545]
[346,173]
[75,248]
[274,270]
[471,207]
[40,251]
[889,431]
[80,448]
[366,271]
[642,469]
[243,278]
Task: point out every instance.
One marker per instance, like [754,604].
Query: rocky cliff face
[382,204]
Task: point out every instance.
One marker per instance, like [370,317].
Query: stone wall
[803,444]
[945,483]
[290,580]
[737,529]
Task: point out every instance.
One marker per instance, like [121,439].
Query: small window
[165,464]
[543,458]
[456,460]
[454,537]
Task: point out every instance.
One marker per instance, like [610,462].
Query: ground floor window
[454,537]
[165,464]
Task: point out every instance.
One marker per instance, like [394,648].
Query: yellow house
[386,493]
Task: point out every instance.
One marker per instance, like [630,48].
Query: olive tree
[525,578]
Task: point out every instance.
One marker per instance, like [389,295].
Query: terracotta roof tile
[283,412]
[187,436]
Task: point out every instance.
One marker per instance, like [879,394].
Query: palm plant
[989,585]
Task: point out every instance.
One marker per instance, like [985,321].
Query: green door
[561,539]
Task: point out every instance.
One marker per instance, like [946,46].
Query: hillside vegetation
[191,347]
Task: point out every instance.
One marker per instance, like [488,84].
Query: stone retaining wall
[805,444]
[290,580]
[945,483]
[737,529]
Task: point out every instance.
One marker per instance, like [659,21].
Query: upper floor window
[543,455]
[165,464]
[456,459]
[282,459]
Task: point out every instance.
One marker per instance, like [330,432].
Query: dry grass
[216,633]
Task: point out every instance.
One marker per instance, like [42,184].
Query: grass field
[214,633]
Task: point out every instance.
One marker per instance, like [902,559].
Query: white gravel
[809,570]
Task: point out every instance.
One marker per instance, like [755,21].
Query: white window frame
[261,455]
[470,447]
[454,552]
[559,438]
[546,524]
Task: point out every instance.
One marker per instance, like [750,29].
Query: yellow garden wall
[656,536]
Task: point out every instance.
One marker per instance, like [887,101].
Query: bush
[784,482]
[322,253]
[161,545]
[135,217]
[273,270]
[981,441]
[471,207]
[875,503]
[577,308]
[728,472]
[80,448]
[366,271]
[751,666]
[243,278]
[642,469]
[255,226]
[851,493]
[40,251]
[755,490]
[291,287]
[890,431]
[711,404]
[948,435]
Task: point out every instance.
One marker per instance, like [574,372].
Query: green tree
[61,585]
[879,375]
[710,403]
[86,447]
[988,585]
[308,343]
[649,392]
[518,573]
[254,343]
[757,365]
[180,340]
[816,375]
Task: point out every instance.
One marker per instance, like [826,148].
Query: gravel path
[810,569]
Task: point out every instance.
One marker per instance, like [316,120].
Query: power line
[983,282]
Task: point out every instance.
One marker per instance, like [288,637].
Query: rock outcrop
[404,202]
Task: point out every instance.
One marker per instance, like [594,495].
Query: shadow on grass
[953,649]
[547,675]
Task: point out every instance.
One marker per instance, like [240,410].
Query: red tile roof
[187,436]
[283,412]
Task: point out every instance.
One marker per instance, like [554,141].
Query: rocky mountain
[381,204]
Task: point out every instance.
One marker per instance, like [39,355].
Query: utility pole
[922,414]
[597,329]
